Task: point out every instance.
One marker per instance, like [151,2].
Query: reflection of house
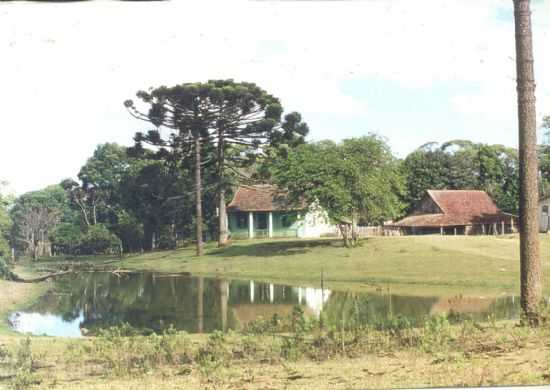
[460,304]
[456,212]
[261,211]
[544,207]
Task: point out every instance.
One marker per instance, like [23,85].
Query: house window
[545,209]
[242,221]
[287,220]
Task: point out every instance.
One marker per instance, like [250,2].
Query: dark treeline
[222,134]
[138,204]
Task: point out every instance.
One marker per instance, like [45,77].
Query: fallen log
[19,279]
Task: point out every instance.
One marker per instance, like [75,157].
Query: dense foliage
[460,164]
[355,181]
[5,225]
[219,123]
[5,272]
[172,185]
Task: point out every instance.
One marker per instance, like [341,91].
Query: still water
[86,302]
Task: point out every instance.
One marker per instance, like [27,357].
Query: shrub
[5,272]
[213,355]
[99,240]
[436,333]
[124,352]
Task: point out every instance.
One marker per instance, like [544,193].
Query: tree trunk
[531,270]
[222,213]
[198,195]
[94,212]
[345,233]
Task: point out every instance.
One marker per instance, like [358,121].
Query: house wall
[315,223]
[285,223]
[544,215]
[310,224]
[238,225]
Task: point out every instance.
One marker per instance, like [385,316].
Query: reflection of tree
[203,305]
[200,307]
[142,300]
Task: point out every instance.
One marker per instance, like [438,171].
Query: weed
[124,352]
[213,355]
[436,334]
[24,376]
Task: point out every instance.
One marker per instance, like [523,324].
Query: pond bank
[437,355]
[15,295]
[414,265]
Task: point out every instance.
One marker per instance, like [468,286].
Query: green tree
[235,119]
[35,216]
[5,224]
[462,164]
[358,179]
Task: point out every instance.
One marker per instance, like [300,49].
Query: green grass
[423,265]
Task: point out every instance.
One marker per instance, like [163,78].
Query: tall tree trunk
[94,212]
[198,195]
[222,213]
[531,270]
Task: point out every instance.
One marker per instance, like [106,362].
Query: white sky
[412,71]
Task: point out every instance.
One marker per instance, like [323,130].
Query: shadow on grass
[275,248]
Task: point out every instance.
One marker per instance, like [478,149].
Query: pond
[82,303]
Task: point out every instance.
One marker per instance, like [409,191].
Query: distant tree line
[171,187]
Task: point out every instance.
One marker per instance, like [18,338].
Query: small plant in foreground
[436,333]
[213,355]
[24,376]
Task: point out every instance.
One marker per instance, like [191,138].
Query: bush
[5,272]
[99,240]
[124,352]
[96,239]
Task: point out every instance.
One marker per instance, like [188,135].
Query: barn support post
[441,230]
[455,230]
[495,228]
[483,228]
[502,227]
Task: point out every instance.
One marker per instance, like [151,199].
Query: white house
[262,211]
[544,214]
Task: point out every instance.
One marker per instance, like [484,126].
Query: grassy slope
[414,264]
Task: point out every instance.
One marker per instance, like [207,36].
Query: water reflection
[90,301]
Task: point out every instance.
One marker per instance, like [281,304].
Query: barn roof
[262,197]
[458,207]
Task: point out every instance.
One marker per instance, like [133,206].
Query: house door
[261,221]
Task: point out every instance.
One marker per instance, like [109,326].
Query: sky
[412,72]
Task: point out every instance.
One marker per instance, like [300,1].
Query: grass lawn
[421,265]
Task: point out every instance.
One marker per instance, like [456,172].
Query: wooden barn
[455,212]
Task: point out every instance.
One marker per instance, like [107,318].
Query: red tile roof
[263,197]
[458,207]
